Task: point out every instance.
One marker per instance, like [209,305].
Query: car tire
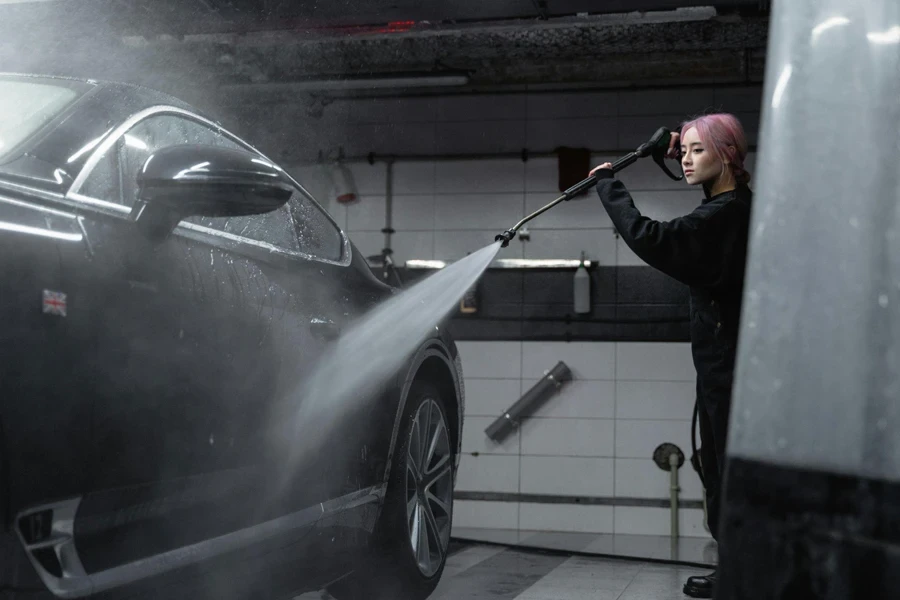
[405,561]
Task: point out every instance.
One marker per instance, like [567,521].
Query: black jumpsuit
[707,251]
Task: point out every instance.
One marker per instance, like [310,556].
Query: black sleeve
[690,248]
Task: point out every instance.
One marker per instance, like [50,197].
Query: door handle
[324,329]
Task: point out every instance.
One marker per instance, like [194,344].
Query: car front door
[317,461]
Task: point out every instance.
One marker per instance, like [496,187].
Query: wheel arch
[435,371]
[439,364]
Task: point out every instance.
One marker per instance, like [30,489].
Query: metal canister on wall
[468,304]
[582,288]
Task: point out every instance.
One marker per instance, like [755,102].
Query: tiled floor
[693,551]
[494,572]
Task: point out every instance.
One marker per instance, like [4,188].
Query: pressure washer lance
[656,147]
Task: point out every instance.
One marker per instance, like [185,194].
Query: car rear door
[178,367]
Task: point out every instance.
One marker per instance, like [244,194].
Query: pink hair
[724,135]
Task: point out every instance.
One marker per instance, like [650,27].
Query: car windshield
[26,106]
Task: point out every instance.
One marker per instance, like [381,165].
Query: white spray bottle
[582,288]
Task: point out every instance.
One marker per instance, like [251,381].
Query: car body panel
[160,447]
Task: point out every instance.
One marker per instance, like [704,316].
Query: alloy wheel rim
[429,488]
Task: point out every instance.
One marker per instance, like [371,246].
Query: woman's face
[697,162]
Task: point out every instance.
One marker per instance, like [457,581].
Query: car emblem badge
[54,303]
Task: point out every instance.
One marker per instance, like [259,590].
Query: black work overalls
[707,251]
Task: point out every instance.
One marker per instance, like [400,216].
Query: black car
[164,290]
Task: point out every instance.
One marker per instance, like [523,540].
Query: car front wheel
[413,533]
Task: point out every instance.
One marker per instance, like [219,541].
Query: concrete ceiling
[269,50]
[181,17]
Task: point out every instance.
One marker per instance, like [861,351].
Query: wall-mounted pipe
[385,260]
[673,492]
[388,230]
[509,421]
[669,457]
[524,154]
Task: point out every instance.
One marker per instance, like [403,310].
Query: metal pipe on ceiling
[524,156]
[353,83]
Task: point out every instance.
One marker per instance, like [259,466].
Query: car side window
[133,149]
[105,182]
[317,234]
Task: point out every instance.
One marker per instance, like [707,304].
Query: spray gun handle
[659,159]
[659,141]
[657,147]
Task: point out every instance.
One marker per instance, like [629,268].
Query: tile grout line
[615,424]
[433,209]
[519,435]
[524,207]
[631,582]
[489,552]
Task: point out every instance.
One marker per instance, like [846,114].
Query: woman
[705,250]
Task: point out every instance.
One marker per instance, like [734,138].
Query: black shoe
[700,586]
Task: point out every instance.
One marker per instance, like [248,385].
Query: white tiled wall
[650,521]
[597,436]
[549,517]
[489,515]
[578,476]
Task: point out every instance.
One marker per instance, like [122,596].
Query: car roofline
[112,83]
[46,76]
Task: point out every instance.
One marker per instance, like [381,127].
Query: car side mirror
[195,180]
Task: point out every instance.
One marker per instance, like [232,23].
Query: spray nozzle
[506,236]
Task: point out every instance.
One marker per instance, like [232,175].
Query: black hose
[695,459]
[5,511]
